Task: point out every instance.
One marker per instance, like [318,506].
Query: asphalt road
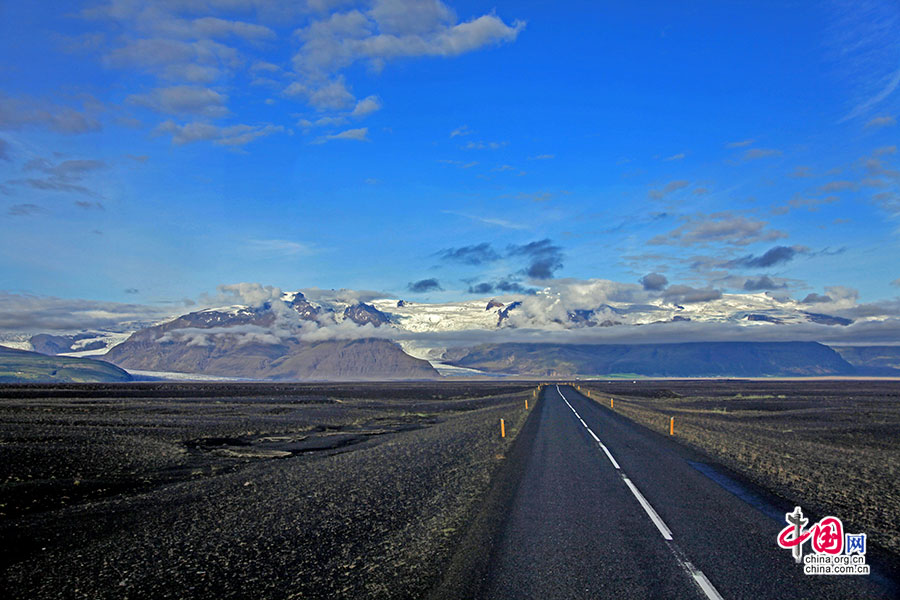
[608,509]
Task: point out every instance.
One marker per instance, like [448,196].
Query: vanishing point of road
[607,509]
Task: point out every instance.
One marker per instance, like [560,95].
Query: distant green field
[19,366]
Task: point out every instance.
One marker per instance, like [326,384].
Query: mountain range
[292,336]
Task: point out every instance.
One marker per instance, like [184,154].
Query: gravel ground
[833,446]
[280,492]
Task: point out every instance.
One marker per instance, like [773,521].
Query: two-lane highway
[608,509]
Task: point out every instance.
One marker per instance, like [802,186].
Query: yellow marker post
[526,403]
[672,426]
[610,402]
[502,429]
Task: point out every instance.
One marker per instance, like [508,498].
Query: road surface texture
[608,509]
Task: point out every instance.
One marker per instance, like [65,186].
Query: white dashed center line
[696,574]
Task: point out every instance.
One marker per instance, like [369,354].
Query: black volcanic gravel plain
[244,490]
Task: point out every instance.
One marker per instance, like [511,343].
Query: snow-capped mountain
[277,324]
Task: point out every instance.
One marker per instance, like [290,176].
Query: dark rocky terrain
[244,490]
[58,344]
[874,360]
[254,343]
[288,360]
[700,359]
[364,314]
[832,445]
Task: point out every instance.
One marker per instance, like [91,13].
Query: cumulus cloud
[63,176]
[342,296]
[685,294]
[245,293]
[183,100]
[672,186]
[32,314]
[424,285]
[395,29]
[193,52]
[481,288]
[476,254]
[773,256]
[232,135]
[484,145]
[764,282]
[757,153]
[24,210]
[367,106]
[544,258]
[506,286]
[215,27]
[878,122]
[816,299]
[357,135]
[196,50]
[241,334]
[389,30]
[462,130]
[718,228]
[654,282]
[811,204]
[21,112]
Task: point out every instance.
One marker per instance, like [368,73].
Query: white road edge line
[700,579]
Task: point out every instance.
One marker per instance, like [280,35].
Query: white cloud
[367,106]
[215,27]
[488,220]
[757,153]
[32,314]
[482,145]
[321,122]
[183,100]
[333,95]
[281,247]
[877,122]
[890,84]
[718,228]
[411,17]
[233,135]
[391,29]
[359,135]
[17,113]
[672,186]
[463,130]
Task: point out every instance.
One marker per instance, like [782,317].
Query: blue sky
[149,153]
